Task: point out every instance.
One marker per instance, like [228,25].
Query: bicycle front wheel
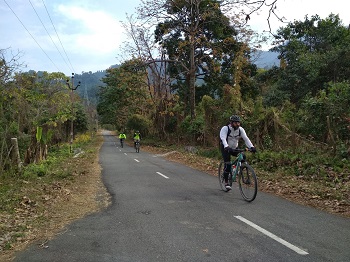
[221,176]
[137,147]
[248,183]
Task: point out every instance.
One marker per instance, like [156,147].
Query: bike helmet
[235,118]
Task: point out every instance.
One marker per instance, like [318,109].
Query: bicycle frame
[137,145]
[237,162]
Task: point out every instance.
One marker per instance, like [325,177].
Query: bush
[139,122]
[33,170]
[82,139]
[210,153]
[194,127]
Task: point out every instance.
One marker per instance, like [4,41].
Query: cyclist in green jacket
[137,137]
[122,136]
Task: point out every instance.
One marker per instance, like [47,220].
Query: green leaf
[39,133]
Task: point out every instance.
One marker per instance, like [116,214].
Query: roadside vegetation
[40,202]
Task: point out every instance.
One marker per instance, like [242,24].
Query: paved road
[163,211]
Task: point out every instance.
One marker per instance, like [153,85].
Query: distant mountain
[266,59]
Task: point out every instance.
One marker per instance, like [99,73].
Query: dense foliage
[300,106]
[37,109]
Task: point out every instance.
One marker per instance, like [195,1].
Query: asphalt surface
[164,211]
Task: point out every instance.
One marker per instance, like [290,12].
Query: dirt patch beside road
[47,208]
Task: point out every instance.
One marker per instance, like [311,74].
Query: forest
[296,113]
[187,76]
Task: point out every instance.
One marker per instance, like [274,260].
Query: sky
[75,36]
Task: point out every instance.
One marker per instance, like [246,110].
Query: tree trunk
[192,80]
[330,135]
[15,153]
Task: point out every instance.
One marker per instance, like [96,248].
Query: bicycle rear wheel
[248,183]
[221,176]
[137,147]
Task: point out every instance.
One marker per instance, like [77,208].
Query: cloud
[90,31]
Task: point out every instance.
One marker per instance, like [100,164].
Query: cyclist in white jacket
[229,138]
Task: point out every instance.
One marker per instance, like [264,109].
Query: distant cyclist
[229,138]
[122,136]
[137,137]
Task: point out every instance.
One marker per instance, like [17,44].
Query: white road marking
[136,160]
[125,154]
[269,234]
[162,175]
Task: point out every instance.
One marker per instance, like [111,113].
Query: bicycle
[137,146]
[122,143]
[247,180]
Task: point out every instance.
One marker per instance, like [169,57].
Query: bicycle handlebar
[240,150]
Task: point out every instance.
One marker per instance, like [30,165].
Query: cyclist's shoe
[228,187]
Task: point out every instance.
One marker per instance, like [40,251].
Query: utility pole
[72,88]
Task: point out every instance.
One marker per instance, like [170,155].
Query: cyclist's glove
[227,148]
[252,149]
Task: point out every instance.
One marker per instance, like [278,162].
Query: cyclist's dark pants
[226,155]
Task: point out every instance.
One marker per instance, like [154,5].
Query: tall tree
[157,80]
[316,51]
[195,35]
[125,94]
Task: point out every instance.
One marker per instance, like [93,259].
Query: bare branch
[9,64]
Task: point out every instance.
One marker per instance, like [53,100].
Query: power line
[58,36]
[48,32]
[32,36]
